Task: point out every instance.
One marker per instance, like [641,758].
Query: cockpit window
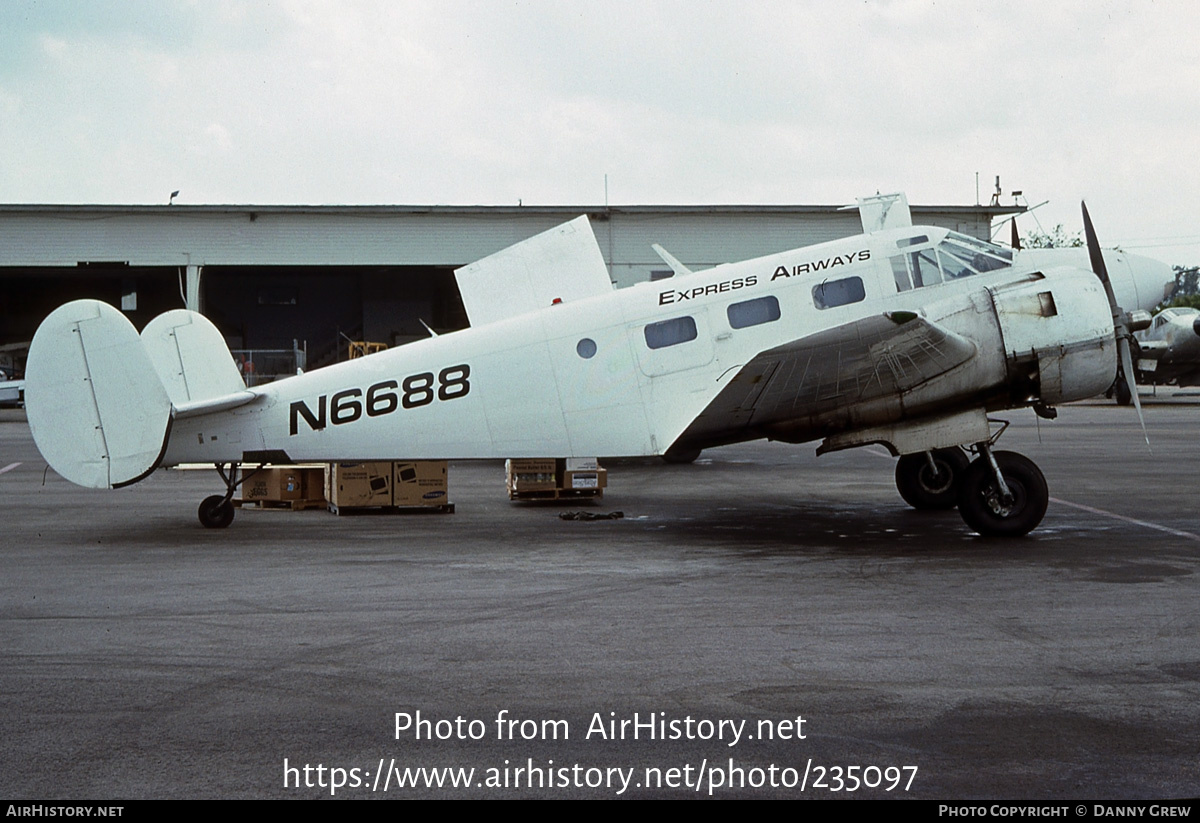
[980,255]
[955,257]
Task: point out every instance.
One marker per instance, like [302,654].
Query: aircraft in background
[12,391]
[1167,352]
[908,336]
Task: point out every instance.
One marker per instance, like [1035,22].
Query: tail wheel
[215,512]
[984,508]
[931,487]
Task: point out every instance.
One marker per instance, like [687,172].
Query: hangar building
[312,277]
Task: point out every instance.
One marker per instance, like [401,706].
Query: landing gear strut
[930,480]
[216,511]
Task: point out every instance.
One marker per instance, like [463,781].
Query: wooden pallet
[445,508]
[556,494]
[283,505]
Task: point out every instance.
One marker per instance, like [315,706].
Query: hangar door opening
[28,294]
[321,308]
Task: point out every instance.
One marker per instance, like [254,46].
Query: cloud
[683,102]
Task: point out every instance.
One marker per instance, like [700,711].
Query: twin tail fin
[100,398]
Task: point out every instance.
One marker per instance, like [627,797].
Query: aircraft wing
[877,358]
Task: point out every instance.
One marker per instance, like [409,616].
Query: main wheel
[215,512]
[984,510]
[924,488]
[1123,391]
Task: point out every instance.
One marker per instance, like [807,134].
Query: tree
[1180,301]
[1187,280]
[1056,238]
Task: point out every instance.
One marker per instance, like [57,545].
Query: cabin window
[905,242]
[670,332]
[586,348]
[842,292]
[753,312]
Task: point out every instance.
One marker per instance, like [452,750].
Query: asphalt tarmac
[147,657]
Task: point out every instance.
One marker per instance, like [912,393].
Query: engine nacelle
[1058,333]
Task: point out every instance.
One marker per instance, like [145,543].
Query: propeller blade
[1127,368]
[1016,238]
[1120,327]
[1097,258]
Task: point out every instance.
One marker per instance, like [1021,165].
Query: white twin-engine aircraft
[906,336]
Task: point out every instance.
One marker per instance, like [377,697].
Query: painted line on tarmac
[9,467]
[1133,520]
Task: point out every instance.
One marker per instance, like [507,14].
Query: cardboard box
[420,483]
[530,464]
[360,484]
[531,474]
[596,479]
[280,483]
[580,464]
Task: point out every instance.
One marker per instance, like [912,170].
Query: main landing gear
[216,511]
[1122,391]
[999,494]
[930,480]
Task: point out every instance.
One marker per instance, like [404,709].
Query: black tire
[215,512]
[922,488]
[681,456]
[1122,390]
[979,498]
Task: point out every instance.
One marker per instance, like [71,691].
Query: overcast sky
[300,102]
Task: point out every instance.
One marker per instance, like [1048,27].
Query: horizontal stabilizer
[562,264]
[215,404]
[97,410]
[191,358]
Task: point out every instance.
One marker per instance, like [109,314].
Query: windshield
[956,256]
